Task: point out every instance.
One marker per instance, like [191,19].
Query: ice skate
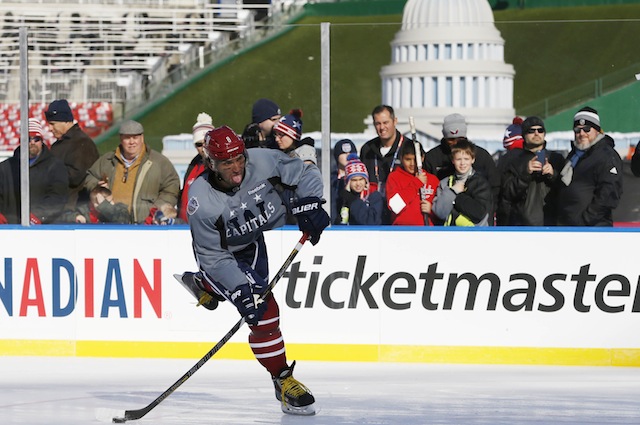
[296,399]
[192,282]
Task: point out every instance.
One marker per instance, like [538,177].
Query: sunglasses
[35,139]
[536,130]
[586,129]
[199,144]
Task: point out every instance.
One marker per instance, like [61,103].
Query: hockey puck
[119,420]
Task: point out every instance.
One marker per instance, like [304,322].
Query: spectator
[410,190]
[341,151]
[204,124]
[529,180]
[288,134]
[138,176]
[513,135]
[513,143]
[100,209]
[74,147]
[48,182]
[464,198]
[265,113]
[380,154]
[306,150]
[358,205]
[590,184]
[438,160]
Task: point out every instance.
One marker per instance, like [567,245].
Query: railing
[584,92]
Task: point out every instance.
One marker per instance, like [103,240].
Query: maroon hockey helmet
[223,143]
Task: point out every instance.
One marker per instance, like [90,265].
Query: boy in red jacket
[410,189]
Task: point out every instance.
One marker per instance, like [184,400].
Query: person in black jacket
[380,154]
[74,147]
[590,183]
[48,182]
[438,159]
[528,182]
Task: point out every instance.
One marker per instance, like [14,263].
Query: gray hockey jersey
[224,222]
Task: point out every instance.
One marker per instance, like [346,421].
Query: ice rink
[69,391]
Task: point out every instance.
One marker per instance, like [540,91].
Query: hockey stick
[137,414]
[416,145]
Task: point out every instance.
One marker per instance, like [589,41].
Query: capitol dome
[448,57]
[420,14]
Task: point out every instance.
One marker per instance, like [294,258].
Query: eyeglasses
[586,129]
[199,144]
[35,139]
[536,130]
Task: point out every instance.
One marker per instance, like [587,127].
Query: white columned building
[449,57]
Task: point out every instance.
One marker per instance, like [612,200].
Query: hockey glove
[248,304]
[312,218]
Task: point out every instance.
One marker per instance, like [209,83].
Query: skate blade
[308,410]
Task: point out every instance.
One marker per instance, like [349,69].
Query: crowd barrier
[503,296]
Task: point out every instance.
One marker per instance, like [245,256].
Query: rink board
[501,296]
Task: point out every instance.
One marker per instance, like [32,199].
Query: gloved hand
[161,219]
[34,220]
[348,197]
[248,304]
[312,218]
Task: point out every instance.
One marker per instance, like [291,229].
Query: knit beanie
[59,111]
[454,126]
[587,116]
[263,109]
[343,146]
[531,121]
[35,127]
[204,124]
[355,168]
[290,124]
[513,135]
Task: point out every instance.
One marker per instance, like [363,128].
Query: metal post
[325,76]
[24,129]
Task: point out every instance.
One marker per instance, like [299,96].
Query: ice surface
[69,391]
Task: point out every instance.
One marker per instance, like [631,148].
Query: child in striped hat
[357,205]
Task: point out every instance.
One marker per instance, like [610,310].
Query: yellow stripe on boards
[628,357]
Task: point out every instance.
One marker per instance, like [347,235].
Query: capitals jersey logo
[192,206]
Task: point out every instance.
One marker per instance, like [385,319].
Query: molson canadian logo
[103,295]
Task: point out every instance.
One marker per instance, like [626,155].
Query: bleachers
[93,118]
[115,52]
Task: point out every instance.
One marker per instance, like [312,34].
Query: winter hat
[59,111]
[263,109]
[204,123]
[531,121]
[587,116]
[131,128]
[307,153]
[35,127]
[513,135]
[290,124]
[343,146]
[355,168]
[454,126]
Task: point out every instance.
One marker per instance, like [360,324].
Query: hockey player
[229,208]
